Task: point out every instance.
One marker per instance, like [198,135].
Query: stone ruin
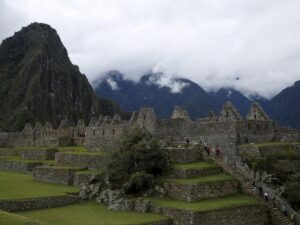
[227,130]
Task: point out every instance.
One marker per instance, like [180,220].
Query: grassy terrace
[21,186]
[206,205]
[266,144]
[62,148]
[90,214]
[203,179]
[14,219]
[88,172]
[196,165]
[83,153]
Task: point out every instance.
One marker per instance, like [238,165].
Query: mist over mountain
[163,93]
[40,83]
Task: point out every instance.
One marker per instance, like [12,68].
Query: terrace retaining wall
[202,191]
[37,203]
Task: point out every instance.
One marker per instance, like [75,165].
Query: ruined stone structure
[226,130]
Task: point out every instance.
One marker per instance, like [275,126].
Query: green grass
[63,167]
[203,179]
[14,219]
[195,165]
[21,186]
[90,214]
[83,153]
[72,148]
[266,144]
[206,205]
[88,172]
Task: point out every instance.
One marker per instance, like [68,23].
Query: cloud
[209,42]
[113,84]
[164,80]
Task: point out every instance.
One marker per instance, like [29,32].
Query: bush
[137,162]
[292,192]
[139,182]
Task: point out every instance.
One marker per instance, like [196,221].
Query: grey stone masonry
[190,173]
[18,165]
[54,174]
[88,160]
[37,203]
[242,215]
[83,178]
[42,154]
[201,191]
[184,155]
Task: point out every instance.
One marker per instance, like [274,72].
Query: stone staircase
[246,186]
[200,193]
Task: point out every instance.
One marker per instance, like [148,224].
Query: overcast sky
[209,42]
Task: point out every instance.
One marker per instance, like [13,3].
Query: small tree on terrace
[138,161]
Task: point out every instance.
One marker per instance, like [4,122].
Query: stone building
[226,130]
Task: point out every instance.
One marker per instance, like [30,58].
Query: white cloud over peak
[210,42]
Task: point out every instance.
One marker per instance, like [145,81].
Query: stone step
[196,169]
[88,160]
[18,165]
[55,174]
[235,209]
[184,155]
[199,188]
[84,176]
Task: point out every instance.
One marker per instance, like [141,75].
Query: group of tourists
[212,151]
[265,195]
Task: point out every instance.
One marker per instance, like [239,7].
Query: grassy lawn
[88,172]
[83,153]
[203,179]
[21,186]
[72,148]
[196,165]
[90,214]
[266,144]
[14,219]
[206,205]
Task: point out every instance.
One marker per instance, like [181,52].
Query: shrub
[139,158]
[292,192]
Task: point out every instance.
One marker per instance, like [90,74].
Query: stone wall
[202,190]
[255,131]
[51,174]
[41,154]
[18,166]
[37,203]
[84,160]
[242,215]
[184,155]
[188,173]
[7,139]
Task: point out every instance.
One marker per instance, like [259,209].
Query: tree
[137,163]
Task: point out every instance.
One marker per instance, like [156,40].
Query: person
[218,151]
[284,210]
[253,186]
[266,196]
[274,201]
[260,190]
[187,141]
[213,152]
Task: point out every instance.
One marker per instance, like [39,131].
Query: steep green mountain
[39,82]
